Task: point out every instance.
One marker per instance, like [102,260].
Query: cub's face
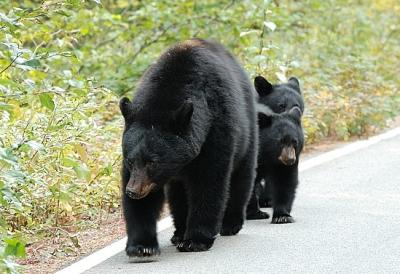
[153,155]
[280,97]
[281,136]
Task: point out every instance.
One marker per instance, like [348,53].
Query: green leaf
[68,162]
[270,25]
[253,31]
[34,63]
[7,156]
[46,101]
[6,107]
[35,145]
[14,247]
[82,172]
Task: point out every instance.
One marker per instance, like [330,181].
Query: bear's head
[155,149]
[279,97]
[281,135]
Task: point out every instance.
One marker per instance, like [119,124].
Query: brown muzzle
[288,156]
[139,186]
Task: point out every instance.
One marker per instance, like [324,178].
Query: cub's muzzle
[288,156]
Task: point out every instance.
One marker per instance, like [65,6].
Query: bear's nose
[290,161]
[288,156]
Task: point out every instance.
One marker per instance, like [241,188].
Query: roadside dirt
[48,256]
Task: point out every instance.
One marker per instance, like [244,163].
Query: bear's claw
[176,239]
[258,215]
[192,246]
[282,220]
[142,251]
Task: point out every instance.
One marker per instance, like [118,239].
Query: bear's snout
[288,156]
[139,187]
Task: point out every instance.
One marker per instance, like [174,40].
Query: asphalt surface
[347,216]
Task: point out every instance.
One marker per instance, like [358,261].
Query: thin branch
[262,38]
[12,62]
[148,43]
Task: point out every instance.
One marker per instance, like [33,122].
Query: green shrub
[64,65]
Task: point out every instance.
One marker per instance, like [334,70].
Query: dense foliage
[64,65]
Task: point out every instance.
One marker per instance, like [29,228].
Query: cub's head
[154,148]
[281,135]
[279,97]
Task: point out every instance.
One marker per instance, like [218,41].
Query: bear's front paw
[176,239]
[231,229]
[285,219]
[257,215]
[194,246]
[133,250]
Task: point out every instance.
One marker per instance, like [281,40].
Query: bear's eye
[294,142]
[282,106]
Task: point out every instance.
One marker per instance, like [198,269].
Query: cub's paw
[231,229]
[133,250]
[176,239]
[285,219]
[194,246]
[257,215]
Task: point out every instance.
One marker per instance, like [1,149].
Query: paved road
[347,221]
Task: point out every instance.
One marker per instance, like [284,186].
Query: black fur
[278,133]
[191,128]
[280,98]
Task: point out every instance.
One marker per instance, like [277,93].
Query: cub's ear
[264,119]
[296,114]
[263,87]
[182,116]
[126,108]
[294,83]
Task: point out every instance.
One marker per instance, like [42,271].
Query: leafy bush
[64,64]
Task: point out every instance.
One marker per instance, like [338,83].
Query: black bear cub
[281,142]
[280,98]
[190,130]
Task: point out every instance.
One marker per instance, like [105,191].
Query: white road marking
[106,252]
[347,149]
[118,246]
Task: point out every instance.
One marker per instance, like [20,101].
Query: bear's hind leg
[253,211]
[265,198]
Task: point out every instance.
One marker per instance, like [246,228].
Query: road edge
[107,252]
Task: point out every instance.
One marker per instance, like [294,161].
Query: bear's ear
[183,115]
[264,119]
[294,83]
[296,114]
[126,108]
[263,87]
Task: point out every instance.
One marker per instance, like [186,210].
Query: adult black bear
[192,128]
[281,142]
